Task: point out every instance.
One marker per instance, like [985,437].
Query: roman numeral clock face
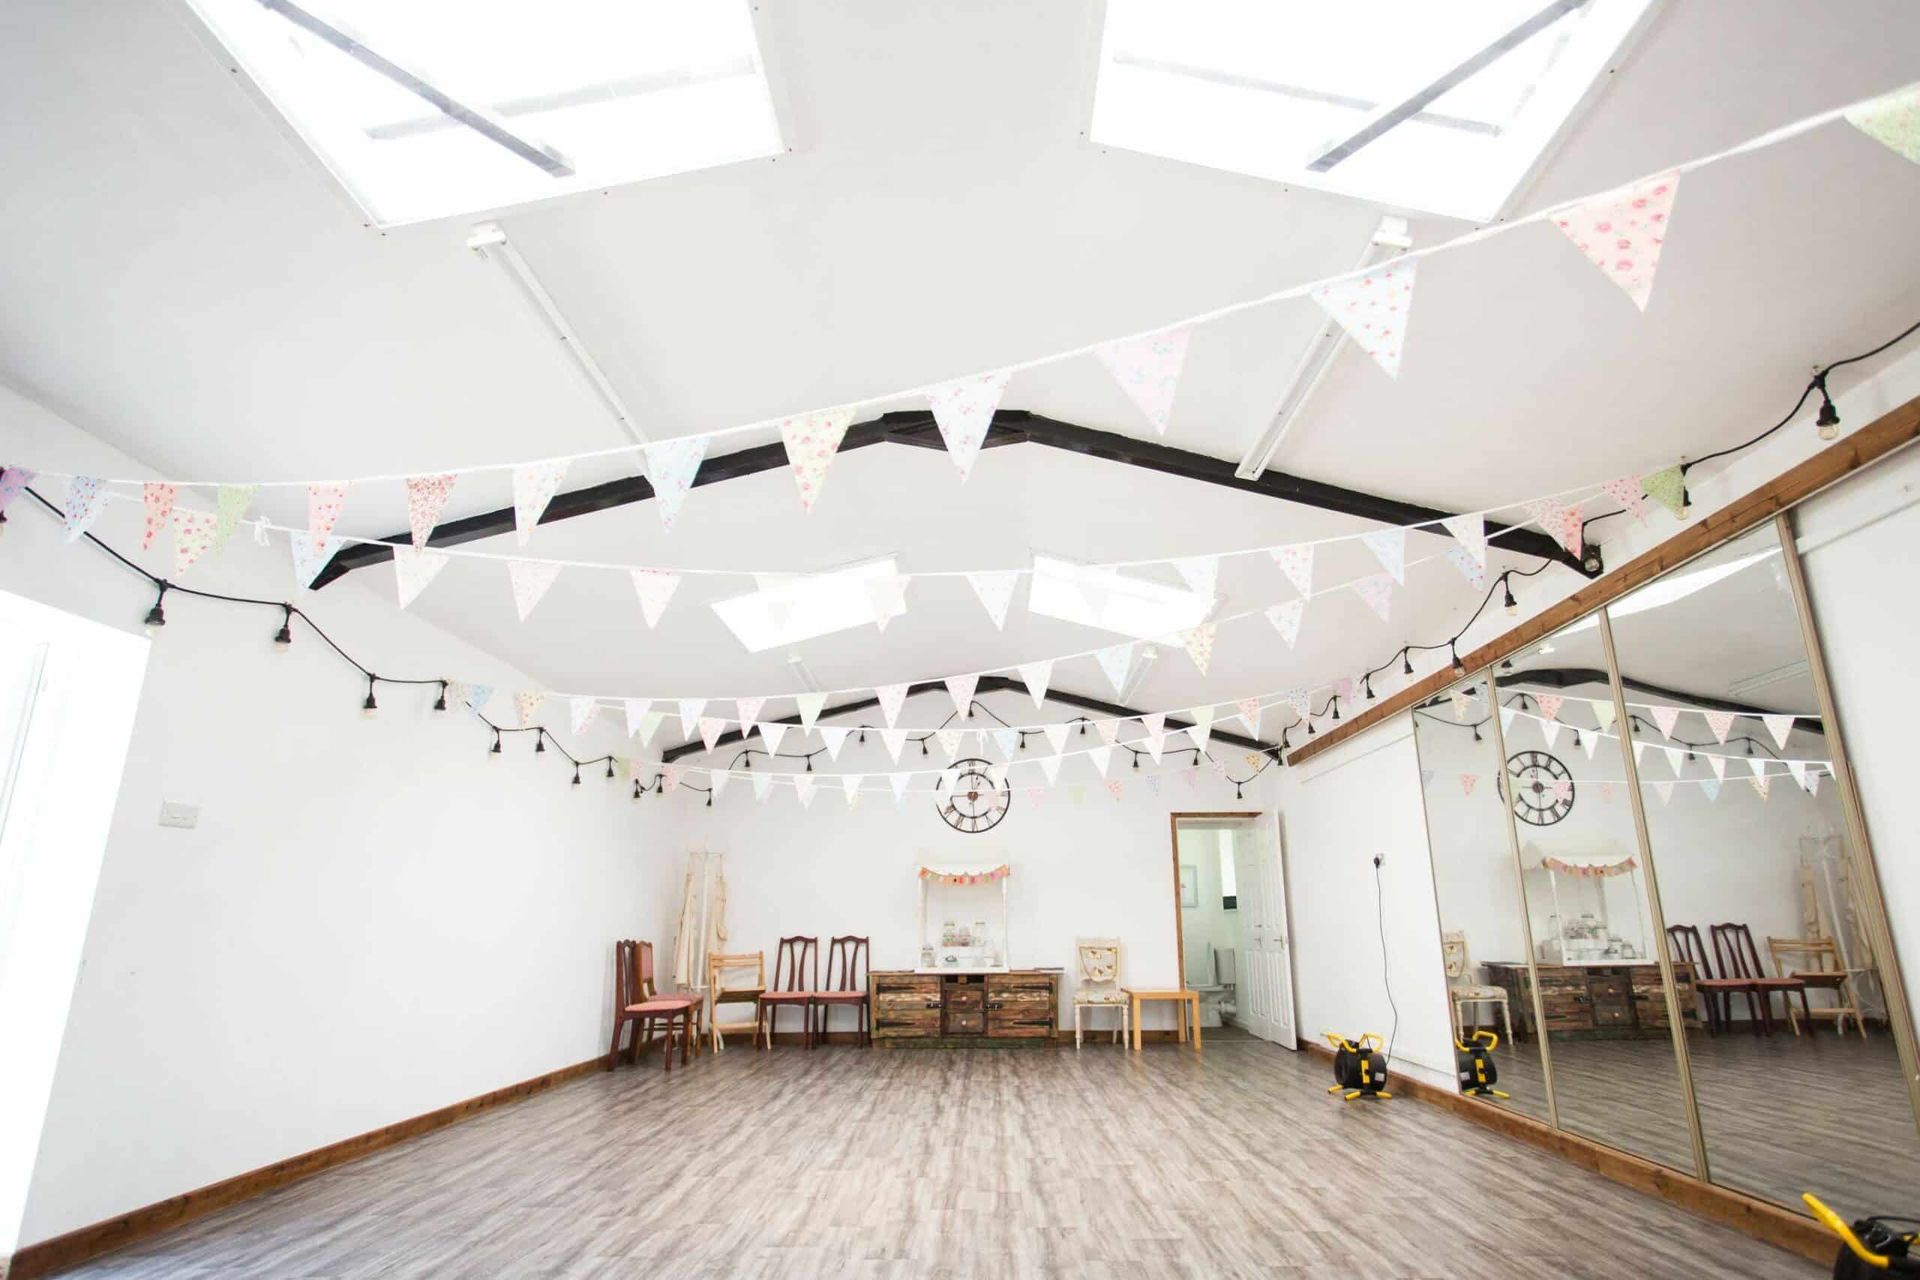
[971,797]
[1542,788]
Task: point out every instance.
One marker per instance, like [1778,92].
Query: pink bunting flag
[1389,547]
[533,488]
[812,440]
[963,411]
[426,499]
[996,593]
[526,705]
[960,689]
[711,727]
[1250,715]
[158,500]
[1467,783]
[1297,563]
[192,535]
[1550,704]
[14,482]
[1372,308]
[892,698]
[530,579]
[1114,787]
[1148,370]
[1668,718]
[1721,722]
[1780,727]
[1623,231]
[1286,620]
[323,510]
[655,587]
[1474,571]
[413,569]
[1199,644]
[1762,784]
[1377,591]
[1564,524]
[86,495]
[671,467]
[1626,491]
[1892,121]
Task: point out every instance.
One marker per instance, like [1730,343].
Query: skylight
[1270,89]
[1112,600]
[788,610]
[436,108]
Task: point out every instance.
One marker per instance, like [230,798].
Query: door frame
[1173,835]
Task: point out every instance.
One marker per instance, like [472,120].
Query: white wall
[1099,868]
[371,919]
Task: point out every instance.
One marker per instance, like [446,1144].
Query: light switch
[178,813]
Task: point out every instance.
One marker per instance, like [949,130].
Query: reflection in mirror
[1483,934]
[1796,1075]
[1616,1076]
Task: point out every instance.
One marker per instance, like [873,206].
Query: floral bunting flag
[1343,688]
[13,482]
[1710,788]
[413,569]
[158,499]
[1470,531]
[1550,704]
[899,783]
[1115,787]
[1100,758]
[1467,783]
[711,727]
[1286,619]
[1050,766]
[478,696]
[960,689]
[1250,715]
[1035,676]
[1462,703]
[803,789]
[1389,547]
[1200,573]
[892,697]
[670,775]
[1116,660]
[812,440]
[533,488]
[1892,121]
[1474,571]
[996,593]
[232,501]
[1156,728]
[1626,491]
[963,411]
[809,706]
[86,495]
[309,560]
[1564,524]
[1301,700]
[1622,232]
[949,740]
[1372,308]
[833,737]
[1668,487]
[1721,722]
[1780,727]
[192,535]
[1602,712]
[1056,735]
[1296,562]
[1668,718]
[655,587]
[691,710]
[747,711]
[1762,784]
[771,733]
[426,499]
[1202,727]
[671,467]
[1377,591]
[895,740]
[580,713]
[636,710]
[530,579]
[323,510]
[1148,370]
[1199,644]
[526,705]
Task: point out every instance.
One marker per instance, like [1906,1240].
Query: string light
[493,752]
[1511,605]
[609,766]
[636,788]
[439,707]
[157,616]
[1335,700]
[1406,663]
[1827,423]
[283,638]
[1453,648]
[1366,683]
[369,708]
[539,742]
[576,775]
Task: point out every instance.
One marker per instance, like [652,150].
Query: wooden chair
[796,972]
[635,1001]
[846,985]
[1463,991]
[1739,958]
[1716,994]
[1097,985]
[739,978]
[1826,973]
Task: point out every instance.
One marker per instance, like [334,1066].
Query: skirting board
[1758,1218]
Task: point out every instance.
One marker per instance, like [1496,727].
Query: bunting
[1626,491]
[690,712]
[1109,730]
[426,499]
[747,711]
[1100,758]
[1668,487]
[809,706]
[1664,790]
[1602,713]
[1199,644]
[157,498]
[812,440]
[654,587]
[1156,730]
[762,786]
[1780,728]
[1202,727]
[1550,704]
[650,724]
[960,689]
[1296,562]
[671,467]
[413,569]
[478,696]
[1286,619]
[1372,308]
[850,784]
[899,782]
[949,740]
[13,482]
[1721,722]
[1389,547]
[1762,784]
[1471,533]
[1116,660]
[1668,718]
[996,593]
[86,495]
[192,535]
[711,727]
[1710,787]
[1622,232]
[1115,787]
[1377,591]
[1035,676]
[1250,715]
[889,598]
[323,510]
[636,710]
[1148,370]
[771,734]
[1200,573]
[232,501]
[963,411]
[580,713]
[717,782]
[309,560]
[1462,703]
[530,579]
[1050,766]
[526,705]
[670,775]
[1564,524]
[1008,740]
[533,488]
[1467,783]
[1892,121]
[1474,571]
[1056,735]
[833,737]
[803,789]
[892,697]
[1719,765]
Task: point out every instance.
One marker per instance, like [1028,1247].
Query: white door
[1265,996]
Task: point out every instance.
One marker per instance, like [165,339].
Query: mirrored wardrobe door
[1606,1008]
[1797,1078]
[1483,927]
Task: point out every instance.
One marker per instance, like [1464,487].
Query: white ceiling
[184,280]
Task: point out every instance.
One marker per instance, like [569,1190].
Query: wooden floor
[1781,1115]
[850,1162]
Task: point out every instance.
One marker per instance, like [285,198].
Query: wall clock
[971,796]
[1542,788]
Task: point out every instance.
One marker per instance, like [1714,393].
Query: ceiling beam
[916,428]
[988,684]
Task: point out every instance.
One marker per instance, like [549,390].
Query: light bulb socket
[576,775]
[283,638]
[368,707]
[636,788]
[1828,420]
[609,768]
[157,616]
[539,742]
[1406,663]
[440,700]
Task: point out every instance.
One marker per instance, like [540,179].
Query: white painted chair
[1462,992]
[1098,984]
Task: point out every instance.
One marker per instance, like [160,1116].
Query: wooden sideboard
[1023,1004]
[1600,1000]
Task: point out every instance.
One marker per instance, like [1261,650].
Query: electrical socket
[1378,858]
[178,813]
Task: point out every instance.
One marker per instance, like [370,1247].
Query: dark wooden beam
[988,684]
[916,428]
[1574,677]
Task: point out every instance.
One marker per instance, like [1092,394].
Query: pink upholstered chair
[796,972]
[636,1002]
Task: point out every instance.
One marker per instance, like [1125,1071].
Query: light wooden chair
[736,978]
[1098,984]
[1816,962]
[1463,991]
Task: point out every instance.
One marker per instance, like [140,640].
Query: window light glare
[1113,600]
[786,610]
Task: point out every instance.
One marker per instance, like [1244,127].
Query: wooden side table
[1187,1008]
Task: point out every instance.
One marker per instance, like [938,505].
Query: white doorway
[1230,908]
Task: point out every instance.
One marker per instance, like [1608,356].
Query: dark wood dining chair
[846,986]
[636,1002]
[796,972]
[1739,958]
[1717,994]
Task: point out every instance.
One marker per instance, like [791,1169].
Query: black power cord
[1386,977]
